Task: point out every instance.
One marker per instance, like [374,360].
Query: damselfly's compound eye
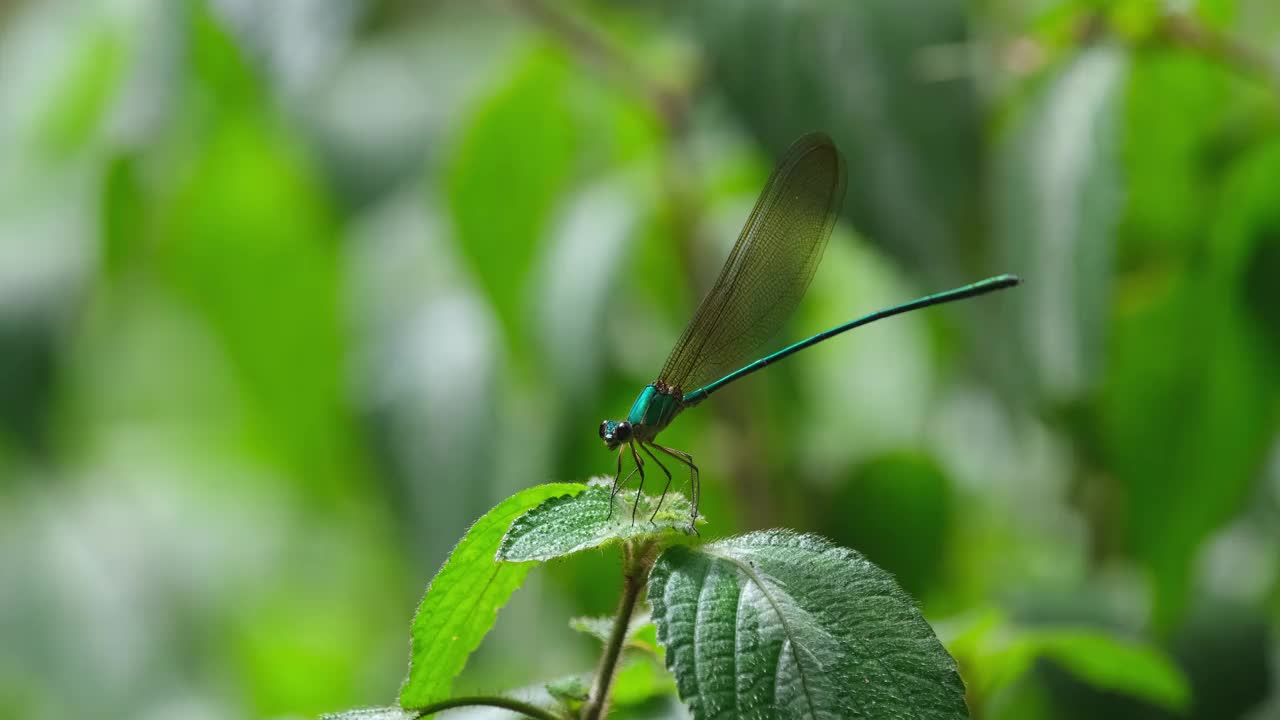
[615,433]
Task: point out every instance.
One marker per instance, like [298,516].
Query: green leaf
[570,692]
[1113,664]
[81,100]
[383,713]
[248,239]
[1189,409]
[462,601]
[779,625]
[225,78]
[996,654]
[123,211]
[1057,209]
[879,76]
[1173,170]
[566,525]
[507,175]
[572,689]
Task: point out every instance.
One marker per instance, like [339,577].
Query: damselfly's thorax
[654,409]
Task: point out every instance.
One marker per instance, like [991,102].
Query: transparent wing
[769,268]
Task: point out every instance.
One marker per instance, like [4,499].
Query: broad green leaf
[1189,409]
[1110,663]
[1057,208]
[384,713]
[566,525]
[462,602]
[1169,186]
[506,177]
[881,77]
[779,625]
[247,239]
[996,654]
[219,65]
[123,212]
[81,100]
[1246,244]
[1262,293]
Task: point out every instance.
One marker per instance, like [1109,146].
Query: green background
[293,292]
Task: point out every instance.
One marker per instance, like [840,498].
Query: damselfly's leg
[695,490]
[666,487]
[639,466]
[613,492]
[624,482]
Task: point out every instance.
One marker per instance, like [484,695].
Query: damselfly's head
[615,433]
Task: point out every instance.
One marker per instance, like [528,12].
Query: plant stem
[1183,30]
[497,701]
[669,104]
[636,561]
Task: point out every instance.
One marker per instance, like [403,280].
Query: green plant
[767,624]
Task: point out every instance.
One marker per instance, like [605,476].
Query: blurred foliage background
[291,292]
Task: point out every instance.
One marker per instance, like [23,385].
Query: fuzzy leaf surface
[781,625]
[568,524]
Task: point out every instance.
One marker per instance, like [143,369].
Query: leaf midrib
[751,573]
